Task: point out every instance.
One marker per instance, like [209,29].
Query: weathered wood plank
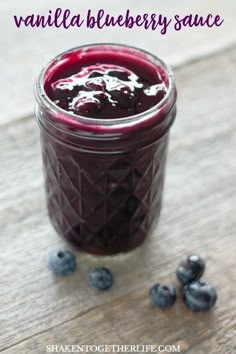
[131,320]
[198,216]
[25,50]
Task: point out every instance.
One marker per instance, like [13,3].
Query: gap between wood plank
[69,320]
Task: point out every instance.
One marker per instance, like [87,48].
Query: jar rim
[42,97]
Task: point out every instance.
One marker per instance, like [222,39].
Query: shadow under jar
[105,111]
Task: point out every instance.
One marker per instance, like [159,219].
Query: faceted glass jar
[104,177]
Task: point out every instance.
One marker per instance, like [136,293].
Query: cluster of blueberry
[63,263]
[88,91]
[198,295]
[105,91]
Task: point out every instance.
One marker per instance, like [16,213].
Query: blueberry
[190,269]
[122,95]
[85,105]
[199,296]
[101,278]
[97,84]
[95,74]
[121,75]
[62,262]
[162,295]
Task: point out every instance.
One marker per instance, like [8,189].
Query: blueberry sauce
[104,181]
[106,90]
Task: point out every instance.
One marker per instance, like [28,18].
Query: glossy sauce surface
[102,87]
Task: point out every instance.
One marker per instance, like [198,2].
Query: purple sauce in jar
[105,111]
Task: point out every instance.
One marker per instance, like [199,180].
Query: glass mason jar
[104,177]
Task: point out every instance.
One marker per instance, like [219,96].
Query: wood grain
[198,216]
[25,50]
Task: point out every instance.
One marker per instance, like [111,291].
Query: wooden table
[198,216]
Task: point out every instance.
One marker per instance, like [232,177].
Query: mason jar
[104,177]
